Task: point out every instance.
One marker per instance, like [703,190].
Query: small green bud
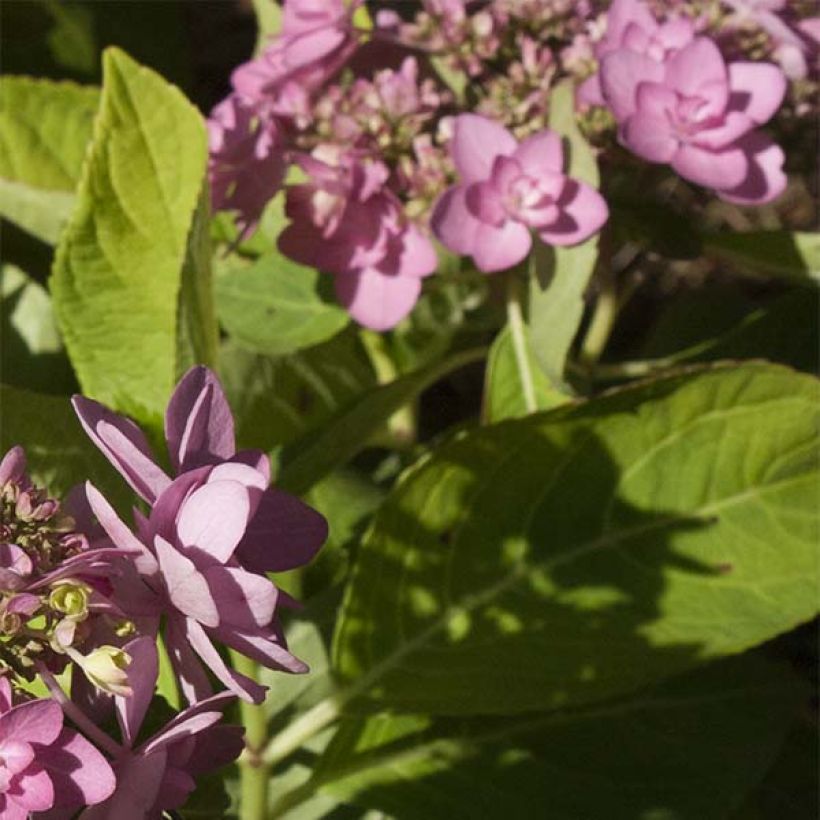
[70,598]
[106,667]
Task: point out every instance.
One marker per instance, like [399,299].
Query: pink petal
[13,465]
[35,721]
[497,249]
[11,811]
[5,694]
[118,532]
[124,445]
[417,256]
[541,153]
[138,781]
[621,74]
[142,678]
[15,754]
[376,300]
[214,517]
[15,560]
[178,728]
[193,682]
[80,774]
[696,66]
[648,132]
[32,789]
[285,533]
[734,126]
[454,223]
[243,686]
[263,647]
[583,213]
[764,180]
[485,204]
[244,600]
[477,141]
[720,169]
[198,422]
[187,588]
[623,13]
[757,89]
[182,729]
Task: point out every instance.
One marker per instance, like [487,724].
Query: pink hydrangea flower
[699,115]
[159,774]
[211,534]
[346,222]
[246,162]
[508,188]
[631,26]
[44,765]
[316,40]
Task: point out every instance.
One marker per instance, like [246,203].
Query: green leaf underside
[58,450]
[504,393]
[117,272]
[350,430]
[45,128]
[580,554]
[690,748]
[275,306]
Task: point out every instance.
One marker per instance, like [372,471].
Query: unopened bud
[70,598]
[106,667]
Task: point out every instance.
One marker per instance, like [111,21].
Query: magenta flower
[246,161]
[159,774]
[44,765]
[508,188]
[210,535]
[316,40]
[346,222]
[631,26]
[699,115]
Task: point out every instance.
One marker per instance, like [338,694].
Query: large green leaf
[276,306]
[350,431]
[45,128]
[561,275]
[504,393]
[579,554]
[690,748]
[117,274]
[780,253]
[59,453]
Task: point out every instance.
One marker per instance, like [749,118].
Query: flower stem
[515,320]
[601,325]
[254,772]
[303,728]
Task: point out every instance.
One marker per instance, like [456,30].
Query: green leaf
[350,431]
[504,392]
[45,128]
[117,274]
[774,253]
[32,354]
[577,555]
[561,275]
[58,450]
[689,749]
[276,306]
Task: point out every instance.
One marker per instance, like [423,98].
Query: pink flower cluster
[377,120]
[94,593]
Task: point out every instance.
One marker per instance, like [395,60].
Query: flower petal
[454,223]
[187,588]
[124,445]
[198,422]
[244,599]
[721,169]
[697,66]
[764,180]
[35,721]
[376,300]
[583,212]
[541,153]
[80,774]
[621,74]
[32,789]
[756,89]
[477,141]
[500,248]
[142,678]
[264,647]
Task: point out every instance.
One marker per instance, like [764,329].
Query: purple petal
[142,678]
[124,445]
[182,729]
[485,203]
[36,721]
[214,704]
[417,256]
[541,153]
[621,74]
[757,90]
[734,126]
[187,588]
[214,517]
[695,67]
[245,688]
[5,694]
[138,782]
[244,599]
[477,141]
[454,223]
[198,422]
[80,774]
[621,14]
[13,465]
[215,748]
[193,681]
[263,646]
[764,180]
[721,169]
[285,533]
[499,248]
[376,300]
[583,212]
[32,789]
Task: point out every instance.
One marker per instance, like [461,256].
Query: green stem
[254,772]
[304,727]
[603,321]
[515,320]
